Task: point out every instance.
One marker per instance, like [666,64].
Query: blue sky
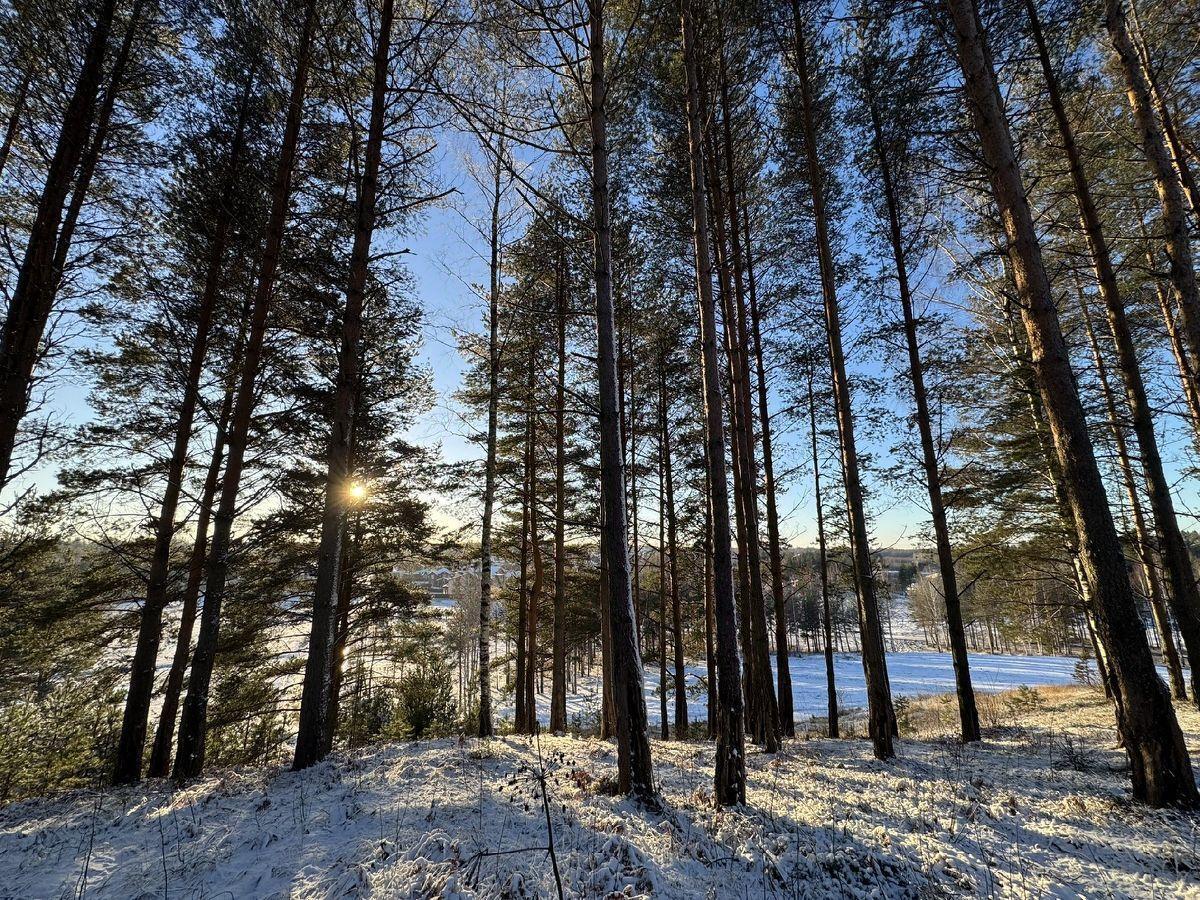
[447,263]
[447,259]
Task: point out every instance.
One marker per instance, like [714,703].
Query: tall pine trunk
[710,618]
[968,715]
[532,658]
[1062,502]
[1179,153]
[787,715]
[558,664]
[164,735]
[631,467]
[881,716]
[341,632]
[534,597]
[14,118]
[1142,536]
[141,680]
[1173,549]
[729,781]
[823,568]
[90,161]
[664,719]
[486,727]
[767,719]
[681,712]
[521,713]
[32,298]
[762,717]
[1184,365]
[635,773]
[608,724]
[750,681]
[315,737]
[1161,770]
[193,727]
[1176,236]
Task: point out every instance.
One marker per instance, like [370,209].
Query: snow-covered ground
[1040,809]
[911,674]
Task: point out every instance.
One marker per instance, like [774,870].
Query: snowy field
[912,674]
[1040,809]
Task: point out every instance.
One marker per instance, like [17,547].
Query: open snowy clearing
[1040,809]
[910,673]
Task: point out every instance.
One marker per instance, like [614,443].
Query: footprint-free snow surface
[911,674]
[1040,809]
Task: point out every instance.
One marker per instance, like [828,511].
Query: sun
[357,491]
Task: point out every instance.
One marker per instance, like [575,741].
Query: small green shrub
[59,739]
[245,724]
[425,704]
[903,708]
[1022,701]
[367,717]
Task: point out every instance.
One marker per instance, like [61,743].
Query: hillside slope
[1040,809]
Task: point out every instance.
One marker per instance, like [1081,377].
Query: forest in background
[946,246]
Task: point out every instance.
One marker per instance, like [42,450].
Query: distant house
[440,582]
[434,582]
[502,570]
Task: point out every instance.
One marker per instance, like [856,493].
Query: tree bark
[635,773]
[750,681]
[1173,549]
[193,731]
[533,600]
[532,660]
[1188,381]
[14,118]
[1142,536]
[558,685]
[486,727]
[32,298]
[762,716]
[664,719]
[881,716]
[341,633]
[823,567]
[521,717]
[631,466]
[710,618]
[767,721]
[132,740]
[968,715]
[681,711]
[1179,155]
[164,735]
[315,738]
[787,716]
[95,148]
[608,724]
[1161,770]
[1176,237]
[730,776]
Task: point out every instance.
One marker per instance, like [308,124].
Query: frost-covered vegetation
[686,388]
[1040,808]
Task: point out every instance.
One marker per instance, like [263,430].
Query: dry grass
[1080,709]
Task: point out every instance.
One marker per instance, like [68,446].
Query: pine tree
[882,716]
[238,113]
[33,294]
[887,83]
[189,760]
[730,775]
[1161,770]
